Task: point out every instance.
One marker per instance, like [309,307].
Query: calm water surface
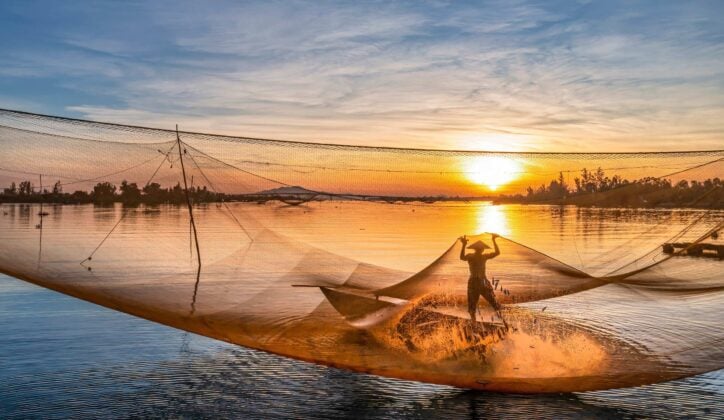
[61,357]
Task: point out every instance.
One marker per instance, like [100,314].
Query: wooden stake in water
[41,214]
[191,217]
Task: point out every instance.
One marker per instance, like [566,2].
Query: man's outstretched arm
[464,242]
[496,251]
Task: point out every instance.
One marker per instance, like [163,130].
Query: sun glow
[492,171]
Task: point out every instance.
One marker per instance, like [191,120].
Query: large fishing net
[609,270]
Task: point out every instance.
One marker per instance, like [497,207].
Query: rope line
[81,180]
[125,211]
[211,184]
[591,155]
[404,171]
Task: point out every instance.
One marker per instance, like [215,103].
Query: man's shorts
[480,287]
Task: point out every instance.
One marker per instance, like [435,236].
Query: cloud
[492,75]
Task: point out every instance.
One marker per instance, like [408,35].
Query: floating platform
[694,250]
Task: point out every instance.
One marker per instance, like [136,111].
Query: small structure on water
[694,250]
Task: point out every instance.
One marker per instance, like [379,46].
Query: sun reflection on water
[492,219]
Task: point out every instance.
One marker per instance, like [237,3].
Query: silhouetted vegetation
[104,193]
[595,188]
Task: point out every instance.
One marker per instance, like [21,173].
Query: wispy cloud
[493,75]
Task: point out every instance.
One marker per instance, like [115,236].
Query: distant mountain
[294,190]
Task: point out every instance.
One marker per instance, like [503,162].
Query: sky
[489,75]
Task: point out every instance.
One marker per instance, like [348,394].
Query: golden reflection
[492,171]
[492,219]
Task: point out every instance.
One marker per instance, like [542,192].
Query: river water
[62,357]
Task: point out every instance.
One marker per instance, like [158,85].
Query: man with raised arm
[478,283]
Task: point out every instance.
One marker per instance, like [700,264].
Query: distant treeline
[595,188]
[592,188]
[153,194]
[107,193]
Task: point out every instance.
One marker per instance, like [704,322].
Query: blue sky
[495,75]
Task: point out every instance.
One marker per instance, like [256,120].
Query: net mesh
[609,270]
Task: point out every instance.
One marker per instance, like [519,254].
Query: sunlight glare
[492,171]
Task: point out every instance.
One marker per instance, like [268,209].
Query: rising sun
[492,172]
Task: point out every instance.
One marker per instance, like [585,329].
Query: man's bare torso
[476,263]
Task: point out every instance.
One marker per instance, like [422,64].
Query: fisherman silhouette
[478,283]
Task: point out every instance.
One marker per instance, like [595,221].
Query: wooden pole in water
[41,214]
[41,197]
[191,210]
[191,250]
